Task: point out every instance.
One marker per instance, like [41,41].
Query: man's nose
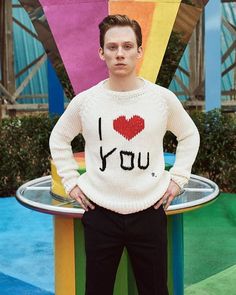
[120,52]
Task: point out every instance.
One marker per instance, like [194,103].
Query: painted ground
[26,249]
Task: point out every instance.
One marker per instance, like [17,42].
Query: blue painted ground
[10,286]
[26,250]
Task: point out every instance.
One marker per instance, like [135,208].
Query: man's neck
[123,83]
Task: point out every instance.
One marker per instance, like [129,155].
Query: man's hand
[79,196]
[172,191]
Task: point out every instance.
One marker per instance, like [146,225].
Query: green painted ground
[210,243]
[219,284]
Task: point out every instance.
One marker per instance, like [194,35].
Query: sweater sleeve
[183,127]
[67,127]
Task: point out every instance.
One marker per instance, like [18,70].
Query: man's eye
[128,46]
[112,47]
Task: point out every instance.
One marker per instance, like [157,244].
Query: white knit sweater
[123,132]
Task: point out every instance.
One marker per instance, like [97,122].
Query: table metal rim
[80,211]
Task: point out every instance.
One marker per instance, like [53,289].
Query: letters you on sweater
[128,129]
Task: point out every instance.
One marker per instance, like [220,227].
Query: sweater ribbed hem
[121,205]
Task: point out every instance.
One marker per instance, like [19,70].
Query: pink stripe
[66,2]
[74,25]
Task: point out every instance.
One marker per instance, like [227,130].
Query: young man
[123,120]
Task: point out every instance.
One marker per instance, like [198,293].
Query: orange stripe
[135,10]
[64,256]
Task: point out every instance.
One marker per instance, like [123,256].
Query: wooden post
[196,72]
[6,49]
[7,56]
[0,110]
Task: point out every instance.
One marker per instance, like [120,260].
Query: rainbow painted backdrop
[68,30]
[82,63]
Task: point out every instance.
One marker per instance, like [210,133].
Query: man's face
[120,51]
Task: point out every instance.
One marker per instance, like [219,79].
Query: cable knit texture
[123,131]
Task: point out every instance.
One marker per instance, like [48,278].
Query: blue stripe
[55,92]
[178,254]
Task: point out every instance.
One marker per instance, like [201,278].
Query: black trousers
[144,234]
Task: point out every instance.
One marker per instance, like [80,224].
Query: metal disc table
[69,236]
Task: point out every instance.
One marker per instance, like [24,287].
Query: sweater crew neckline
[125,94]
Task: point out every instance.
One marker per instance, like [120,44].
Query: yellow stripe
[64,256]
[163,20]
[57,186]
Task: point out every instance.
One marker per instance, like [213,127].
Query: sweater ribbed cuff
[70,184]
[180,180]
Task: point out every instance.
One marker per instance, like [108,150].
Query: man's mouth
[120,64]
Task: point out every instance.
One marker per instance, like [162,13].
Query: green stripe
[121,283]
[80,258]
[132,287]
[125,281]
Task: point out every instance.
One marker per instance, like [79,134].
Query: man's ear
[101,53]
[140,52]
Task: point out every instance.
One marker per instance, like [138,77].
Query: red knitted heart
[128,128]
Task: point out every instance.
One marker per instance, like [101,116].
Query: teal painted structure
[212,55]
[27,49]
[229,13]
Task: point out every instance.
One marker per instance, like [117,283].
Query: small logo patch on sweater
[128,128]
